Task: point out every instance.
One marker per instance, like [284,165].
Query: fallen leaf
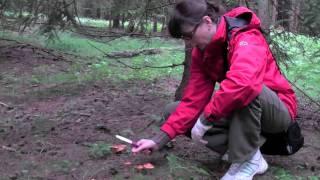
[148,166]
[118,148]
[139,167]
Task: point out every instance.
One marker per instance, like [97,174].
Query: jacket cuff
[204,120]
[209,115]
[208,119]
[169,130]
[161,139]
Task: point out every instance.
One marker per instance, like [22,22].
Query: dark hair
[190,12]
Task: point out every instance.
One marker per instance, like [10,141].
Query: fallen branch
[305,94]
[82,114]
[22,45]
[110,34]
[130,54]
[137,68]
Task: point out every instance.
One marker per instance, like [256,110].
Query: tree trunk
[186,72]
[163,22]
[142,27]
[123,20]
[242,3]
[131,26]
[98,14]
[155,24]
[274,11]
[110,20]
[283,13]
[265,10]
[116,21]
[294,15]
[88,6]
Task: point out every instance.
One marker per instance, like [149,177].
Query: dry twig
[8,149]
[4,104]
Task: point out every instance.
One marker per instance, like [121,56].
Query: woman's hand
[144,144]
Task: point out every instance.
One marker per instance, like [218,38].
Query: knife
[126,140]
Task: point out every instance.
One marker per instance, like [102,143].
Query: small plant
[282,174]
[61,166]
[313,177]
[99,150]
[177,170]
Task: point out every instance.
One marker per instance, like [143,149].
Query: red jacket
[250,66]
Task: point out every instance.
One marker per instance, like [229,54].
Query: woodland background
[73,73]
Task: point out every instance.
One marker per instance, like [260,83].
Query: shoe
[233,169]
[256,165]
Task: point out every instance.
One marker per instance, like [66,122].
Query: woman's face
[200,34]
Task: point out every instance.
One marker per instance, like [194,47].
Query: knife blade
[129,141]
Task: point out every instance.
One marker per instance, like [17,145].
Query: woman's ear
[207,19]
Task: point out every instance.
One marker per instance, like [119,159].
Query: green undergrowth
[99,150]
[303,67]
[91,64]
[101,23]
[180,168]
[282,174]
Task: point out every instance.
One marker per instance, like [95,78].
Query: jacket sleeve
[195,97]
[244,80]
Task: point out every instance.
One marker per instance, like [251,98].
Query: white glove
[198,130]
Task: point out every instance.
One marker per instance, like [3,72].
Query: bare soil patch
[67,135]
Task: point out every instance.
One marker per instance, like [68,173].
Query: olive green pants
[240,133]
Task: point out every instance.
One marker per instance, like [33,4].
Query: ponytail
[214,10]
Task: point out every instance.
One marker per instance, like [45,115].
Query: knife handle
[134,144]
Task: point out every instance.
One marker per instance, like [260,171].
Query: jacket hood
[246,14]
[220,38]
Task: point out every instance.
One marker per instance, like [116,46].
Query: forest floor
[64,131]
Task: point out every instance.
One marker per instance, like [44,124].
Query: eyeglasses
[189,36]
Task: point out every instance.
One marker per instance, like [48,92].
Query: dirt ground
[64,131]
